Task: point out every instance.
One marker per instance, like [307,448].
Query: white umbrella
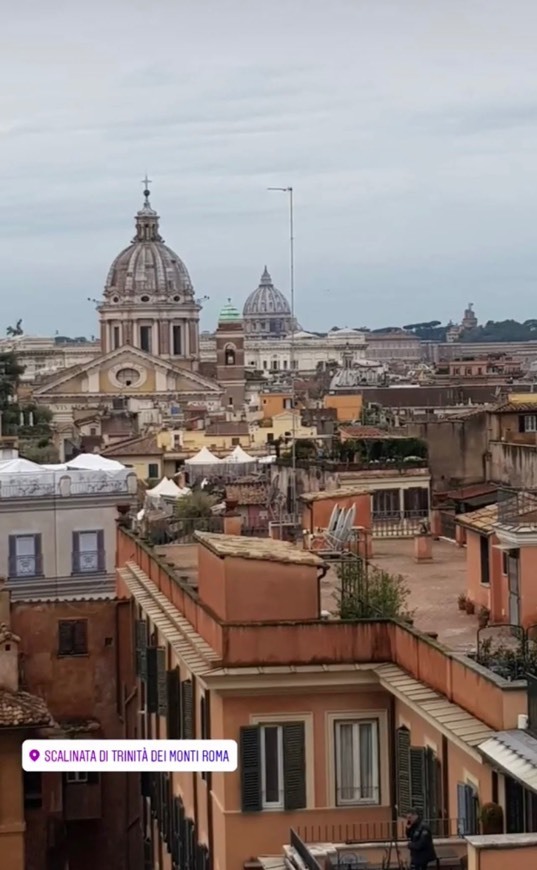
[166,488]
[95,462]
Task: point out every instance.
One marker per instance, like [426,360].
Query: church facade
[149,320]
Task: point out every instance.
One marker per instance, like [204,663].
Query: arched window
[230,355]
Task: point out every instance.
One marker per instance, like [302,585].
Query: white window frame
[76,776]
[381,769]
[279,804]
[530,418]
[356,725]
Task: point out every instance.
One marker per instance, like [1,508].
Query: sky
[408,131]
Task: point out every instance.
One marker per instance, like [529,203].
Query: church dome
[266,312]
[148,267]
[229,313]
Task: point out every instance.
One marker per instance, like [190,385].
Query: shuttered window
[273,766]
[205,727]
[174,705]
[417,778]
[162,682]
[187,703]
[140,648]
[72,637]
[402,757]
[152,686]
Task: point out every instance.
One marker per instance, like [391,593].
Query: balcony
[23,567]
[89,562]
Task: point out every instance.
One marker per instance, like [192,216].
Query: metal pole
[289,191]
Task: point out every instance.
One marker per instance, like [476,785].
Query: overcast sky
[408,130]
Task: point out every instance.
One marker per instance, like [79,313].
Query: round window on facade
[128,377]
[145,298]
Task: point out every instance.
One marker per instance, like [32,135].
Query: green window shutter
[152,687]
[417,778]
[174,704]
[250,768]
[432,786]
[294,765]
[140,643]
[187,703]
[162,682]
[402,759]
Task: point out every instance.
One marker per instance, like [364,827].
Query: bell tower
[230,357]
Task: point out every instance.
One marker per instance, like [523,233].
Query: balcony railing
[89,562]
[376,832]
[26,566]
[516,507]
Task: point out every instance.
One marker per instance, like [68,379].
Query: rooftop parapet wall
[492,699]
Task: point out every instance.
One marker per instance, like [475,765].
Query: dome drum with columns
[149,298]
[266,312]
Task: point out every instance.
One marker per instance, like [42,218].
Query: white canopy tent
[95,462]
[238,455]
[203,457]
[167,489]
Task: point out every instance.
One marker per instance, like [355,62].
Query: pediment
[71,379]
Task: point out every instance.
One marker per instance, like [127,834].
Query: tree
[367,592]
[15,330]
[194,512]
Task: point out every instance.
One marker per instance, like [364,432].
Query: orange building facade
[342,726]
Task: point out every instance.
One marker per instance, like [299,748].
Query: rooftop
[482,520]
[144,446]
[342,492]
[18,709]
[257,548]
[434,588]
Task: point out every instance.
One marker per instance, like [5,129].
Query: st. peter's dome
[266,312]
[148,270]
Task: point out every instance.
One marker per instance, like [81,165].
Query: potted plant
[462,601]
[469,607]
[491,818]
[483,617]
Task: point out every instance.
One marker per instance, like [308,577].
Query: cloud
[407,131]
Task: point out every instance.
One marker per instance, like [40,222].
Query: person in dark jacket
[420,842]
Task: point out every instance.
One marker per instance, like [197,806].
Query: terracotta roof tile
[21,708]
[144,446]
[515,407]
[482,520]
[227,428]
[247,493]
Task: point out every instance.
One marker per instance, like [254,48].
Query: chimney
[232,519]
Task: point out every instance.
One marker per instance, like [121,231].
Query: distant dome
[229,313]
[148,267]
[266,312]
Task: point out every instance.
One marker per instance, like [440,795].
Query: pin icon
[34,754]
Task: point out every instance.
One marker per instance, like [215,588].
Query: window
[235,442]
[357,762]
[285,363]
[152,470]
[115,341]
[33,791]
[230,400]
[264,364]
[176,340]
[88,552]
[145,338]
[74,777]
[530,423]
[230,356]
[25,559]
[504,562]
[72,637]
[485,559]
[273,766]
[467,801]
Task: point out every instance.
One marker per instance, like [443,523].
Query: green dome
[229,313]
